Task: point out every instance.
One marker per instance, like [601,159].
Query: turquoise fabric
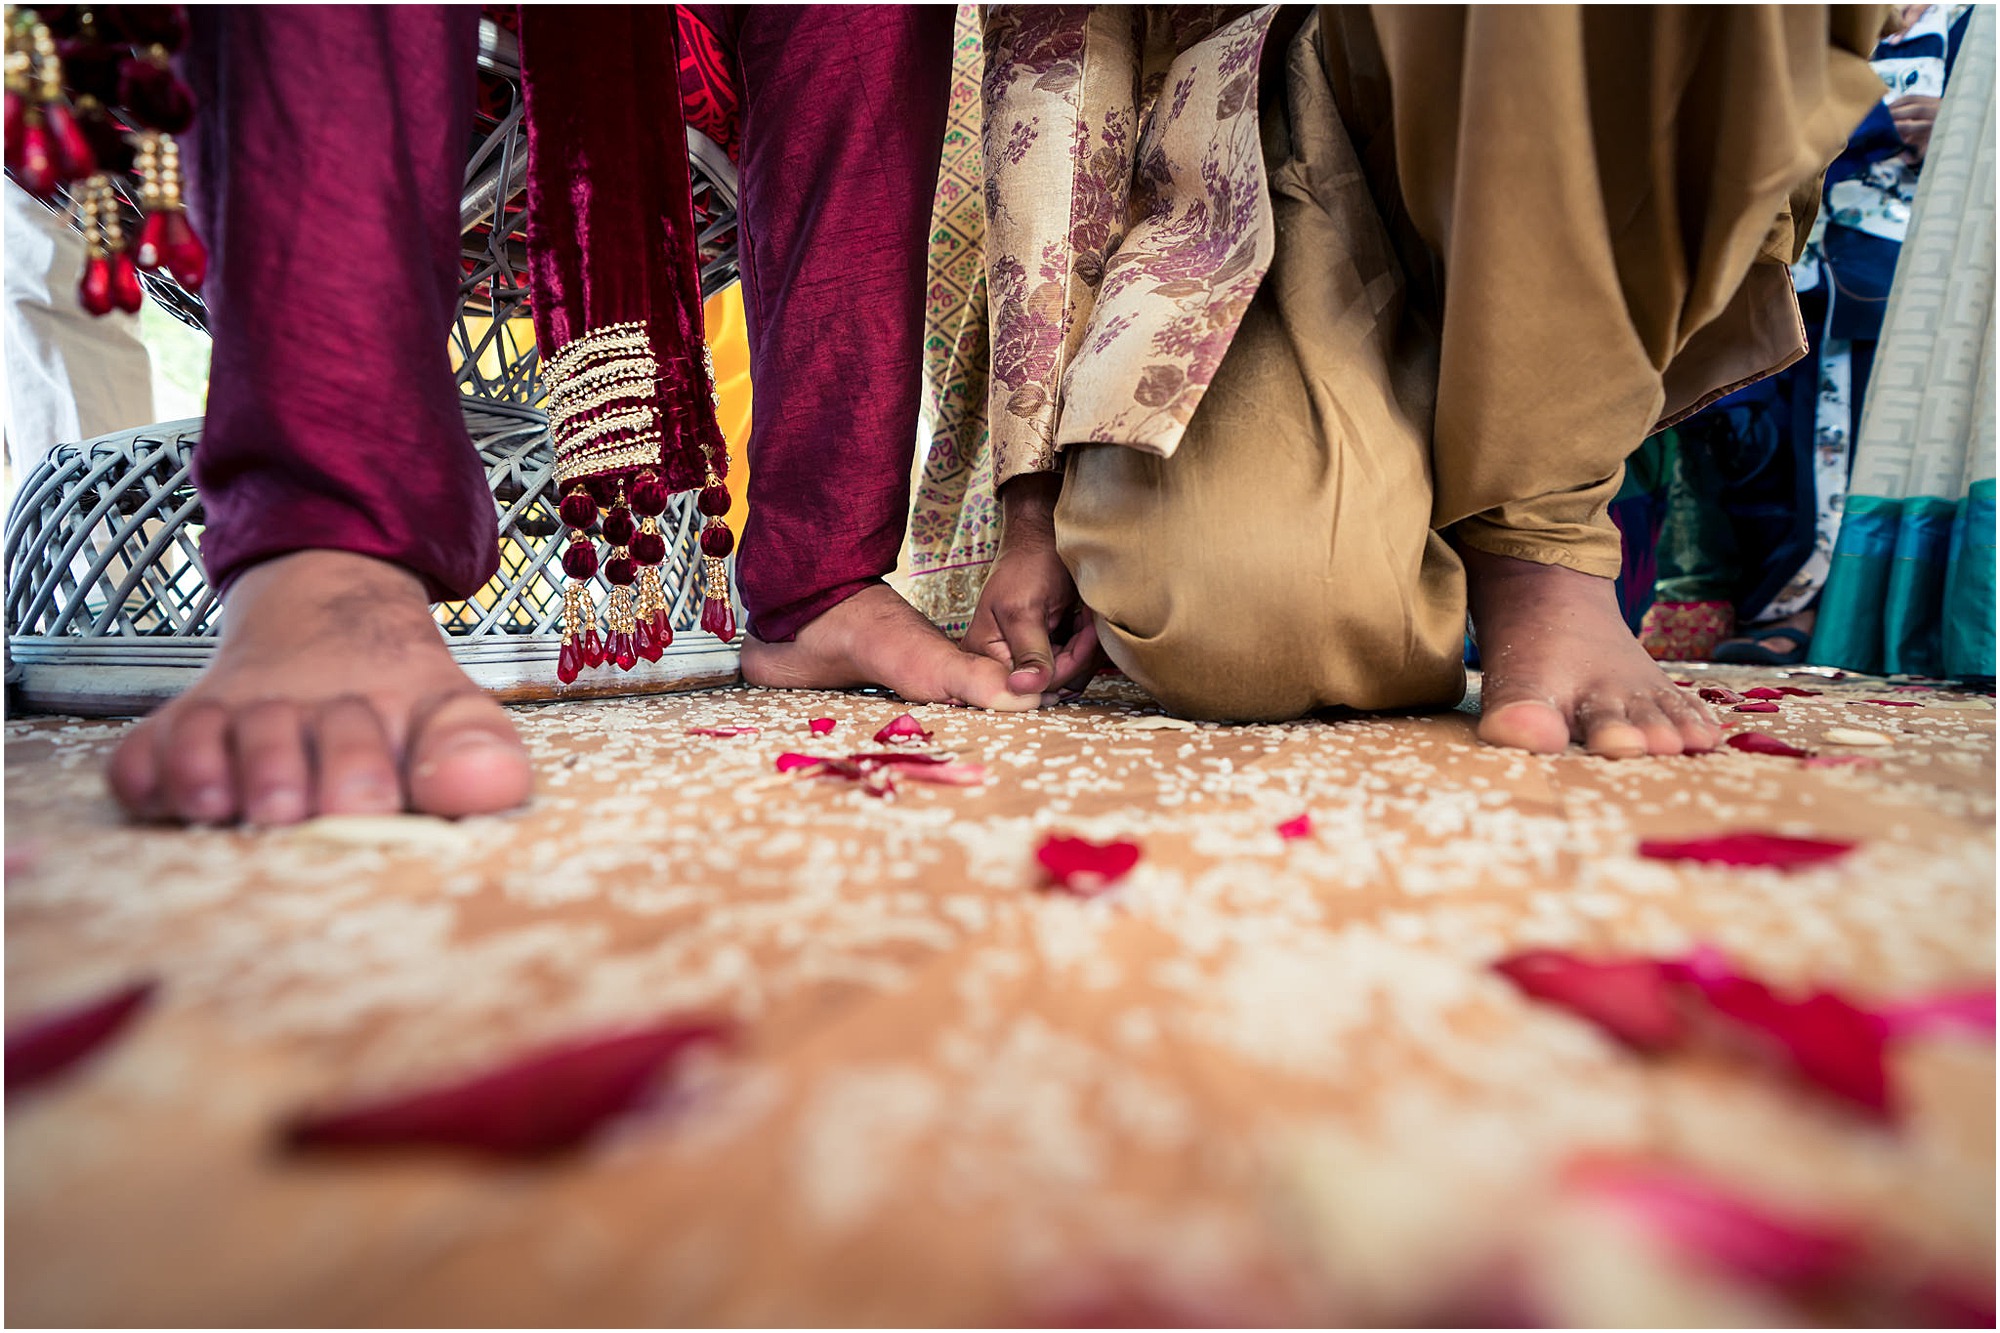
[1912,587]
[1969,626]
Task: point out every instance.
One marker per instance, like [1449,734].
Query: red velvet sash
[617,301]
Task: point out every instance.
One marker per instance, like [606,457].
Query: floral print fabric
[1128,218]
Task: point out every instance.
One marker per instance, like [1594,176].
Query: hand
[1915,117]
[1028,617]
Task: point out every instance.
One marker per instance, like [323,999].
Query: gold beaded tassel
[166,241]
[655,633]
[580,644]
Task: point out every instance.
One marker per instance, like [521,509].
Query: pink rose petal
[1747,848]
[47,1044]
[1630,999]
[550,1100]
[1298,826]
[1963,1011]
[1083,867]
[1743,1239]
[1756,706]
[1756,742]
[947,775]
[820,726]
[1716,694]
[1763,692]
[723,731]
[788,762]
[903,728]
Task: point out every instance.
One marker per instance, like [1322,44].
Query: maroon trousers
[326,166]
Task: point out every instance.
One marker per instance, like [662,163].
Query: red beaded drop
[95,289]
[645,642]
[718,618]
[619,649]
[168,241]
[37,169]
[663,630]
[126,293]
[569,664]
[74,158]
[593,648]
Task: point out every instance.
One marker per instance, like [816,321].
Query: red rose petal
[45,1045]
[1083,867]
[902,728]
[1795,691]
[1716,694]
[550,1100]
[788,762]
[1763,692]
[1742,1238]
[1823,1038]
[1630,999]
[1888,703]
[1747,848]
[723,731]
[1756,706]
[1685,684]
[1842,761]
[820,726]
[1964,1011]
[1299,826]
[1756,742]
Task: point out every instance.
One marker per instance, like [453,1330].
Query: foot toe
[1698,730]
[1607,732]
[1660,733]
[1525,724]
[134,772]
[356,762]
[271,770]
[198,781]
[466,759]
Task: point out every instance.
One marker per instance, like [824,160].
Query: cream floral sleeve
[1128,218]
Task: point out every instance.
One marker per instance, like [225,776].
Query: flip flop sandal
[1749,650]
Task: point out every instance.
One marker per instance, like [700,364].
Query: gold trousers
[1511,243]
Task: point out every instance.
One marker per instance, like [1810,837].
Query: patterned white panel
[1929,424]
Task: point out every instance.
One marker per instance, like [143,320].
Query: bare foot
[332,692]
[877,638]
[1561,665]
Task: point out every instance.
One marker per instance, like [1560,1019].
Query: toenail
[208,803]
[278,807]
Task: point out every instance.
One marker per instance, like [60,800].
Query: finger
[354,765]
[1034,659]
[272,776]
[982,635]
[195,765]
[1079,658]
[134,772]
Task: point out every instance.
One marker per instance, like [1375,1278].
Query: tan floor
[1262,1079]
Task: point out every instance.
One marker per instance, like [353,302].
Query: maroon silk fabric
[328,185]
[610,222]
